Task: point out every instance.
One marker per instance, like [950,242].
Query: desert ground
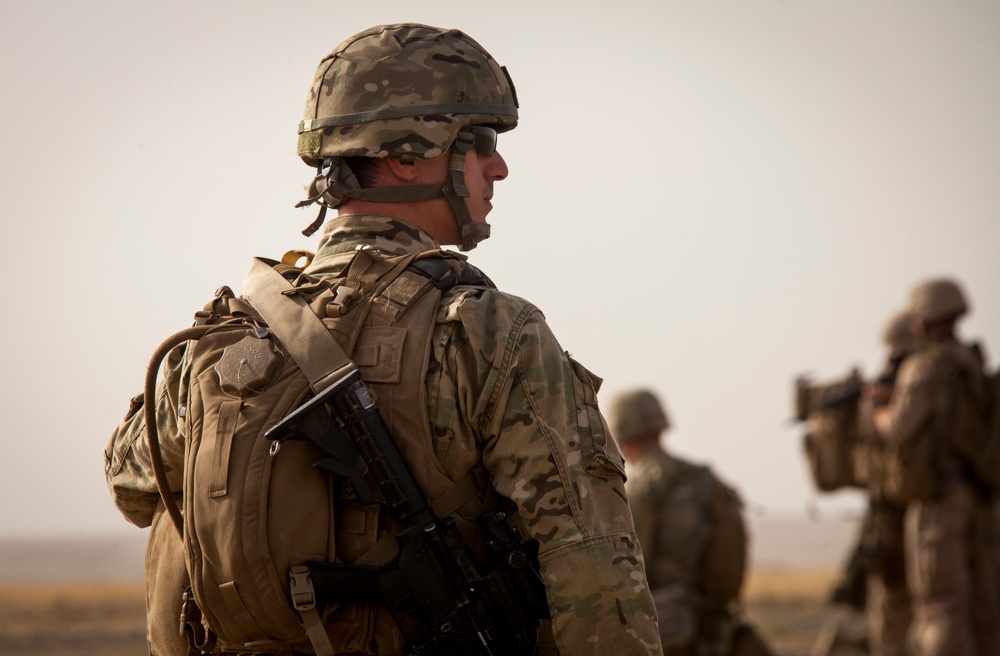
[788,608]
[85,597]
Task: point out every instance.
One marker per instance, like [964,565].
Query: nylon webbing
[304,601]
[309,343]
[387,113]
[398,194]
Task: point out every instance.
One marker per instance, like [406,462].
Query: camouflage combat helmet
[636,414]
[936,299]
[406,91]
[897,334]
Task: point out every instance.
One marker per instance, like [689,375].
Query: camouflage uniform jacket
[501,391]
[936,390]
[923,393]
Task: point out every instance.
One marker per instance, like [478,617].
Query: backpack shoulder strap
[309,343]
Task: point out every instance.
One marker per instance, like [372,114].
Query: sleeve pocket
[601,456]
[124,436]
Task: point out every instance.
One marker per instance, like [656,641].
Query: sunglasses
[480,137]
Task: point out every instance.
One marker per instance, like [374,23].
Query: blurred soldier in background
[832,446]
[938,461]
[843,454]
[887,600]
[691,531]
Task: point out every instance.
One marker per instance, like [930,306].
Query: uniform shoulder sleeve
[534,411]
[128,466]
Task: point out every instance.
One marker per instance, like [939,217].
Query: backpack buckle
[343,297]
[303,592]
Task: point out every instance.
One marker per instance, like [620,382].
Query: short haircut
[364,168]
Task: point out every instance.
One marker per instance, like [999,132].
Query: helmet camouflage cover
[938,298]
[403,91]
[635,414]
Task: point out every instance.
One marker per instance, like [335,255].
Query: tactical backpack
[252,516]
[723,563]
[700,541]
[977,430]
[831,445]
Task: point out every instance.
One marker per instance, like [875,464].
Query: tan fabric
[166,581]
[953,576]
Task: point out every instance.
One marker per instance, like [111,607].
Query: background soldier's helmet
[897,334]
[636,414]
[938,299]
[404,91]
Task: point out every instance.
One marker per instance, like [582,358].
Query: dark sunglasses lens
[484,140]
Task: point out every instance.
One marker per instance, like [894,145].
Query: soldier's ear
[403,171]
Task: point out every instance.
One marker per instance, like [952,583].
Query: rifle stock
[464,609]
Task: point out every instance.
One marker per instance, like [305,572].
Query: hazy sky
[705,197]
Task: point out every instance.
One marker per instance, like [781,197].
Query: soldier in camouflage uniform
[670,500]
[948,537]
[401,124]
[887,602]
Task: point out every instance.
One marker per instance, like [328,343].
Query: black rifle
[811,398]
[461,608]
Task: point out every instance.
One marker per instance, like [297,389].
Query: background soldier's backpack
[724,561]
[977,426]
[250,516]
[831,442]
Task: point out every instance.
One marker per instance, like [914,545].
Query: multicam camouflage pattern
[348,234]
[402,91]
[500,390]
[128,465]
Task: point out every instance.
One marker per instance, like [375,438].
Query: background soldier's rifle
[811,398]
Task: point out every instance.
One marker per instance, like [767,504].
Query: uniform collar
[349,233]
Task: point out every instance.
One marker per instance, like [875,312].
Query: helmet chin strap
[335,182]
[456,192]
